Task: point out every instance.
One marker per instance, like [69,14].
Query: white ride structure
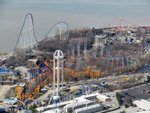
[58,76]
[58,72]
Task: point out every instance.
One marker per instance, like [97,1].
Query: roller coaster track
[55,25]
[26,37]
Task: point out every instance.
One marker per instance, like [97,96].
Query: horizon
[78,14]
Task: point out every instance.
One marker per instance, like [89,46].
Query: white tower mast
[58,75]
[58,59]
[85,48]
[73,52]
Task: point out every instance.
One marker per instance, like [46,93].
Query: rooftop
[142,104]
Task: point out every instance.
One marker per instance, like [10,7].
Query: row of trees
[87,73]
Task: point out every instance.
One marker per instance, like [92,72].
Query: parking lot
[139,92]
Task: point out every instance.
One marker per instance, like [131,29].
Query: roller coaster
[27,37]
[63,28]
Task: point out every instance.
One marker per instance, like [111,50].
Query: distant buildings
[130,38]
[99,44]
[5,71]
[100,41]
[6,76]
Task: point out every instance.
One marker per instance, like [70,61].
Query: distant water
[78,14]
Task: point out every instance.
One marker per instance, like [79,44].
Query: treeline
[82,36]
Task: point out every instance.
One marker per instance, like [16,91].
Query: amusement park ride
[47,71]
[31,88]
[41,74]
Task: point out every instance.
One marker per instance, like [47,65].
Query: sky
[77,13]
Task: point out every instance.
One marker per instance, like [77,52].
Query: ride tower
[58,72]
[58,76]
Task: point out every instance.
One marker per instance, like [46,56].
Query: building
[77,105]
[6,76]
[143,112]
[99,44]
[5,71]
[83,105]
[53,111]
[89,109]
[100,41]
[103,98]
[10,101]
[142,105]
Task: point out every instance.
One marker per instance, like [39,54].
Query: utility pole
[117,62]
[78,49]
[73,52]
[122,59]
[85,48]
[127,61]
[112,62]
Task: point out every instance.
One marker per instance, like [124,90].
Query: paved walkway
[3,90]
[127,110]
[44,96]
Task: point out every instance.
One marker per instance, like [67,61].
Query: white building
[143,112]
[89,109]
[53,111]
[79,102]
[100,41]
[143,105]
[83,104]
[103,98]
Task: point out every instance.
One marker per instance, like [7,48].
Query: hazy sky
[77,13]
